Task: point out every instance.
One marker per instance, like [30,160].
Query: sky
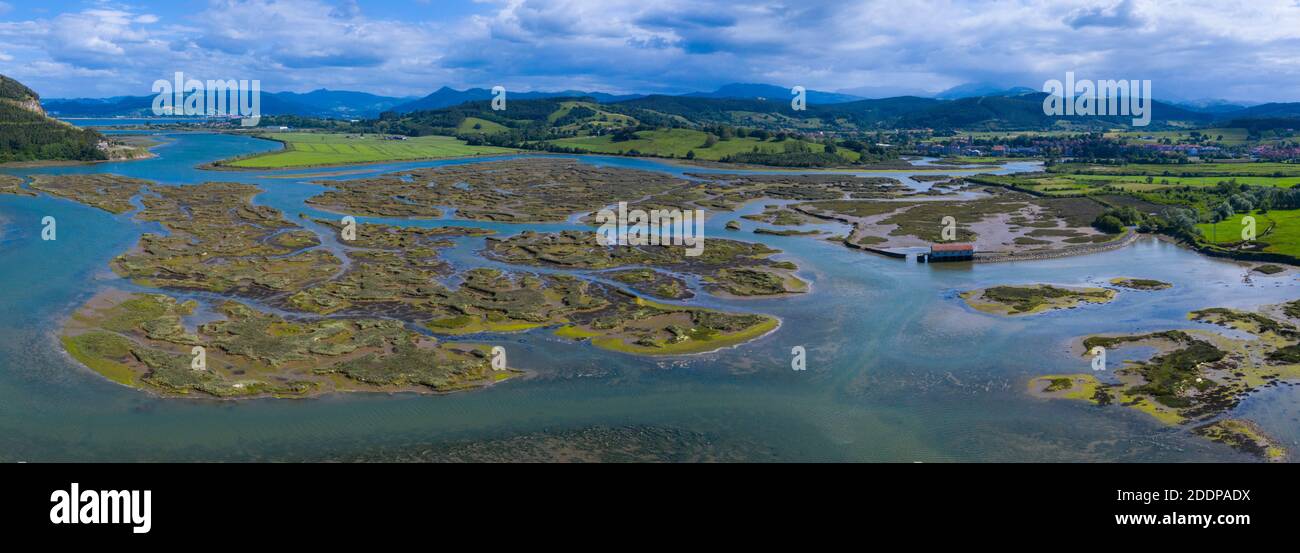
[1239,50]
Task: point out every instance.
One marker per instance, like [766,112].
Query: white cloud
[1189,48]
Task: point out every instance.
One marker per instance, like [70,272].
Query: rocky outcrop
[19,95]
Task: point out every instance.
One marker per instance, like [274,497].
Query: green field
[983,160]
[1282,238]
[1050,184]
[1227,170]
[474,125]
[1001,135]
[322,149]
[601,119]
[1231,136]
[1139,182]
[1063,180]
[677,142]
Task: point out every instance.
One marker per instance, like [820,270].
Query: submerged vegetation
[141,340]
[649,328]
[1195,376]
[217,241]
[1001,224]
[1140,283]
[301,307]
[726,266]
[517,191]
[319,313]
[1037,298]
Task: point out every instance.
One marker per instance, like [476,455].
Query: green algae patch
[576,333]
[467,324]
[727,267]
[779,216]
[698,342]
[1033,299]
[111,193]
[343,316]
[1083,387]
[1140,283]
[103,353]
[217,241]
[653,283]
[1144,404]
[1196,376]
[1245,436]
[396,272]
[645,327]
[1246,321]
[650,328]
[138,340]
[517,191]
[13,185]
[755,282]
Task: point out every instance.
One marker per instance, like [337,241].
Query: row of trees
[1189,206]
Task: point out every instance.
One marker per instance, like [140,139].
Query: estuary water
[898,368]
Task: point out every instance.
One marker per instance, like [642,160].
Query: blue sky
[1191,49]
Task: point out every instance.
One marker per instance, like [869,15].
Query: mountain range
[972,90]
[772,92]
[562,115]
[973,105]
[341,104]
[344,104]
[447,97]
[1005,111]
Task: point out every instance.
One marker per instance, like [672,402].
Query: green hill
[535,119]
[741,130]
[562,118]
[726,130]
[685,142]
[27,134]
[1022,112]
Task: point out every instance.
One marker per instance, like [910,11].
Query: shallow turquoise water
[898,368]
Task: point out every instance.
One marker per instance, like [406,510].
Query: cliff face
[18,94]
[33,105]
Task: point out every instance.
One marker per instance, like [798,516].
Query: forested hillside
[27,134]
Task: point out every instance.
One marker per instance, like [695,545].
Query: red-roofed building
[951,252]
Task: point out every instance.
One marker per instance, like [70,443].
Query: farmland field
[1050,184]
[1231,136]
[475,125]
[319,149]
[1003,135]
[1283,238]
[1066,179]
[1261,169]
[1139,182]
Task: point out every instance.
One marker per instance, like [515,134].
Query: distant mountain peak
[752,91]
[447,96]
[971,90]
